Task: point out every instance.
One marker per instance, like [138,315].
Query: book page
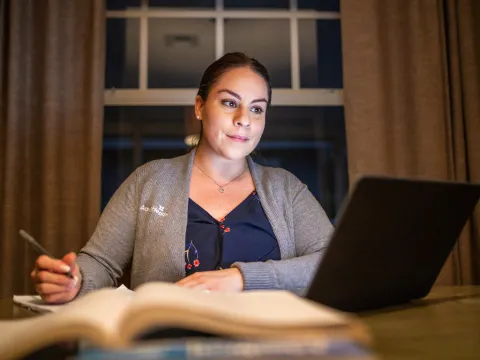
[93,317]
[102,308]
[261,307]
[252,314]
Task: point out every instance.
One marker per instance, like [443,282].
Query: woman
[212,219]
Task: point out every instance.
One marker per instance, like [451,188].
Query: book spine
[193,350]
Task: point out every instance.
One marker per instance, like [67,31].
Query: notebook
[36,304]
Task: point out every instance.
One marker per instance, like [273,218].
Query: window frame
[294,96]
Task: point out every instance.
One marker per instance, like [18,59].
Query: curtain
[412,90]
[51,118]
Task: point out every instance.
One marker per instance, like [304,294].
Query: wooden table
[445,325]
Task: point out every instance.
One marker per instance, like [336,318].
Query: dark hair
[231,61]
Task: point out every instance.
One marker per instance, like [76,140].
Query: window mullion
[143,56]
[294,47]
[219,30]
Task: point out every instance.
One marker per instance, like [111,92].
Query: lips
[238,138]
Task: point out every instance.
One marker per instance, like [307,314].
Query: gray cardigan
[146,219]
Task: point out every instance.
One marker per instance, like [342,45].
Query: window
[157,51]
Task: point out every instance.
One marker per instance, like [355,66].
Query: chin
[236,154]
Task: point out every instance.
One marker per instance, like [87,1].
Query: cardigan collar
[255,169]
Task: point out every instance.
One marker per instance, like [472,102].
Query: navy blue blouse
[245,235]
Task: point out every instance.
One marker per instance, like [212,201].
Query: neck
[216,166]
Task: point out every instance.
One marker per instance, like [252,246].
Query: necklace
[221,188]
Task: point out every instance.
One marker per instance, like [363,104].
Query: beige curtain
[412,99]
[51,114]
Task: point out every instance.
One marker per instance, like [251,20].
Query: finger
[54,265]
[194,278]
[33,275]
[75,270]
[56,298]
[70,258]
[46,289]
[182,282]
[197,282]
[200,286]
[53,278]
[195,285]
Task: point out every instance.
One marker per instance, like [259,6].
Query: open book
[113,319]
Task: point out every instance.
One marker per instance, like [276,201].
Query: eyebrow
[234,94]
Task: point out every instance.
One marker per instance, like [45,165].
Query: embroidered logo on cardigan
[159,210]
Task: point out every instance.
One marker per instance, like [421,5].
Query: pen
[39,248]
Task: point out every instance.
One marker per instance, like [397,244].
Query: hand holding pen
[56,280]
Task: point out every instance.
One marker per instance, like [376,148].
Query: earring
[198,117]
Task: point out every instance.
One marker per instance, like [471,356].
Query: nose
[241,118]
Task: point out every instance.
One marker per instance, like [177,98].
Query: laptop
[392,239]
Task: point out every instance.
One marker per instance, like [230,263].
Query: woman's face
[233,117]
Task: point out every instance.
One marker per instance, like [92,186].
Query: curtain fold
[411,88]
[51,121]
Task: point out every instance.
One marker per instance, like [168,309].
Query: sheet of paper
[36,304]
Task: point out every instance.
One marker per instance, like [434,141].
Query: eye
[257,110]
[229,103]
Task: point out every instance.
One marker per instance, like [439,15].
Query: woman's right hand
[51,281]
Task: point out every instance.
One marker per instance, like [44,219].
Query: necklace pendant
[221,189]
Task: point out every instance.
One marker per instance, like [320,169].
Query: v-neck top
[245,235]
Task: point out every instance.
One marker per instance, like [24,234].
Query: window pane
[266,40]
[116,166]
[122,53]
[134,135]
[320,54]
[183,3]
[122,4]
[323,5]
[268,4]
[316,135]
[179,51]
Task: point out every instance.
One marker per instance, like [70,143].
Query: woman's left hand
[218,280]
